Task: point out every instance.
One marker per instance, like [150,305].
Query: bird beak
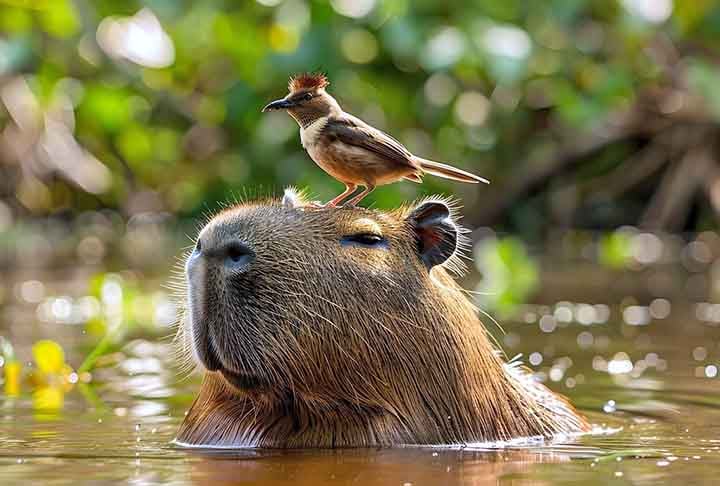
[281,104]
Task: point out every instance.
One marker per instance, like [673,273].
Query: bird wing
[353,131]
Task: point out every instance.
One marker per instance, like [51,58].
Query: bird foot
[329,204]
[318,205]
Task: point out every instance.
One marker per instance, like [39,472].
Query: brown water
[645,376]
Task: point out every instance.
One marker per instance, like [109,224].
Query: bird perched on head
[349,149]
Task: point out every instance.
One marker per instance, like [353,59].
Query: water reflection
[367,467]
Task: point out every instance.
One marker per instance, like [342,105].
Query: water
[643,369]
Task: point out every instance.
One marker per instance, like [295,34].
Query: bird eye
[369,240]
[307,97]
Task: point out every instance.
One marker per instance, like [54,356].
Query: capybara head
[283,297]
[342,327]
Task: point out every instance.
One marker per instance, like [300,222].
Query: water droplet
[620,364]
[609,406]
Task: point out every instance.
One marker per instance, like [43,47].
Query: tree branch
[671,203]
[533,174]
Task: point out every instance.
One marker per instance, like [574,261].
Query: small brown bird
[349,149]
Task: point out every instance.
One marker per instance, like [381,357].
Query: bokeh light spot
[139,39]
[472,108]
[353,8]
[653,11]
[359,46]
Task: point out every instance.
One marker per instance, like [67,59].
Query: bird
[349,149]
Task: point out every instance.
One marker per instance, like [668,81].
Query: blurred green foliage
[485,85]
[615,249]
[509,275]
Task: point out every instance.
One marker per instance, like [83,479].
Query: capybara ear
[436,233]
[292,198]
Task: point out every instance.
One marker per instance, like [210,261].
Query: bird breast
[310,134]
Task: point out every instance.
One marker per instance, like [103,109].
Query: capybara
[342,327]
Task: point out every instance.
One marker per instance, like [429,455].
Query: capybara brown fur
[343,327]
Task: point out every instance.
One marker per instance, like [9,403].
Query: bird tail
[448,171]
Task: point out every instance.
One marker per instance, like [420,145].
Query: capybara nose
[233,254]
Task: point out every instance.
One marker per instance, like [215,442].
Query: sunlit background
[123,122]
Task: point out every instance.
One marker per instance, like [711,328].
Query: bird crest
[307,82]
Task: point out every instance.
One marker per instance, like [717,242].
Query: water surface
[644,371]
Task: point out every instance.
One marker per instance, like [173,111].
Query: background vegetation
[587,113]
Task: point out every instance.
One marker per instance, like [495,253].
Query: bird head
[307,100]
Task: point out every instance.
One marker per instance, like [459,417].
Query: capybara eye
[237,255]
[237,252]
[369,240]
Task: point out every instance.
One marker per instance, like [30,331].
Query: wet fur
[354,348]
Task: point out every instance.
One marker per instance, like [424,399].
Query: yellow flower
[12,378]
[49,357]
[48,398]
